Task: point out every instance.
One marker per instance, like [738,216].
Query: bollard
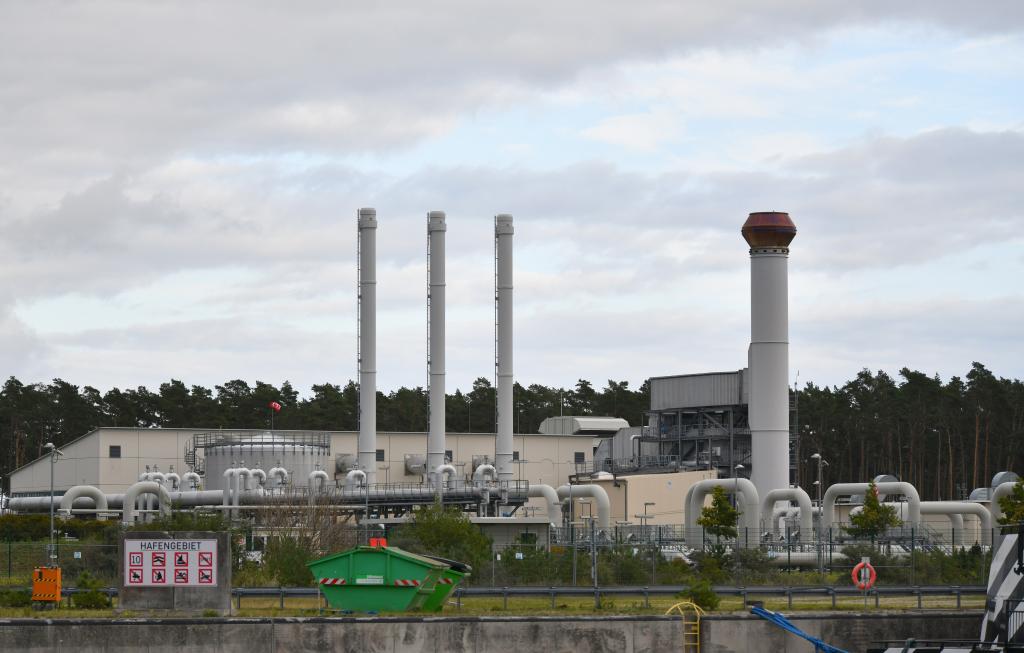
[504,597]
[647,598]
[238,601]
[956,588]
[552,598]
[281,596]
[917,590]
[876,599]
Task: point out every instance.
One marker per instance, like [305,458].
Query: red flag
[276,407]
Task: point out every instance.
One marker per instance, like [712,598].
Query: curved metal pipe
[486,470]
[355,478]
[230,476]
[750,510]
[550,495]
[795,494]
[67,502]
[596,492]
[1000,491]
[281,474]
[172,481]
[192,479]
[443,473]
[889,488]
[140,488]
[321,475]
[259,476]
[955,512]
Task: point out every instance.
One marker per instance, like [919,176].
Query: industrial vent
[346,462]
[415,464]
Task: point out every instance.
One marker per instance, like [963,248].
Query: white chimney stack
[769,235]
[435,325]
[503,324]
[367,355]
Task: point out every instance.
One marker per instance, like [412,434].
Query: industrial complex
[729,430]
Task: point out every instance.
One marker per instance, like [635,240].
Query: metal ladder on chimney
[691,614]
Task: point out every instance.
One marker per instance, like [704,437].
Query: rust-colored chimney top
[768,229]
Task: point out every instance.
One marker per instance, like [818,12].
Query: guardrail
[646,592]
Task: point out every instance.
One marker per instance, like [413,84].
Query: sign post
[181,571]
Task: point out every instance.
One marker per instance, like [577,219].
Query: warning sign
[194,563]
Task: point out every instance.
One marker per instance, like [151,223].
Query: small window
[448,455]
[115,451]
[515,455]
[380,455]
[580,457]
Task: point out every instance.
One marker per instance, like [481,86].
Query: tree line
[58,412]
[944,437]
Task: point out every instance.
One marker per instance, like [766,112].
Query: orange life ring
[858,581]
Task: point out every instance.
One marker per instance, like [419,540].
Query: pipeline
[890,488]
[140,488]
[791,494]
[355,478]
[750,510]
[596,492]
[67,502]
[550,495]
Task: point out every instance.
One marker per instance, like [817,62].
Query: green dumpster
[376,579]
[446,585]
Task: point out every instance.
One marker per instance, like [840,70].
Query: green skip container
[377,579]
[451,577]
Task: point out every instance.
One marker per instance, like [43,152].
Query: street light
[54,454]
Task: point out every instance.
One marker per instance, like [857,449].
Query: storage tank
[298,452]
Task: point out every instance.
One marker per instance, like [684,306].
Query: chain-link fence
[18,559]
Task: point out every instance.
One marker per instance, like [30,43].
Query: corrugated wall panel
[696,390]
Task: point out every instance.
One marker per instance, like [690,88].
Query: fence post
[552,598]
[647,598]
[789,597]
[280,591]
[832,591]
[504,597]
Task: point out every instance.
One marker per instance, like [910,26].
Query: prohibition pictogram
[159,576]
[135,559]
[205,559]
[159,559]
[206,576]
[135,576]
[181,559]
[181,575]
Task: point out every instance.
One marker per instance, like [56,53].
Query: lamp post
[822,463]
[736,488]
[54,454]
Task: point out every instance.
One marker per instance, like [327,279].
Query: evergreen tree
[874,517]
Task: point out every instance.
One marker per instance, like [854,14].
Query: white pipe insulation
[443,473]
[749,509]
[141,488]
[795,494]
[67,502]
[1000,491]
[318,475]
[356,478]
[172,481]
[483,471]
[892,488]
[503,365]
[192,479]
[769,235]
[597,493]
[436,228]
[550,495]
[367,443]
[281,474]
[955,511]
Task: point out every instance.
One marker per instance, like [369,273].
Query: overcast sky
[179,184]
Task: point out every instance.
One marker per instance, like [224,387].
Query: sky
[179,184]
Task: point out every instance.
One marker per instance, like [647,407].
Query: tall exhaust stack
[503,355]
[769,235]
[367,347]
[435,333]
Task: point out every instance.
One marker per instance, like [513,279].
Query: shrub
[92,598]
[15,598]
[285,559]
[701,593]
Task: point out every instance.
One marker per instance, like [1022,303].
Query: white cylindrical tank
[436,228]
[297,452]
[503,297]
[769,235]
[367,444]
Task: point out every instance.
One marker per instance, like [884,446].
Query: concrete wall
[849,631]
[605,634]
[371,635]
